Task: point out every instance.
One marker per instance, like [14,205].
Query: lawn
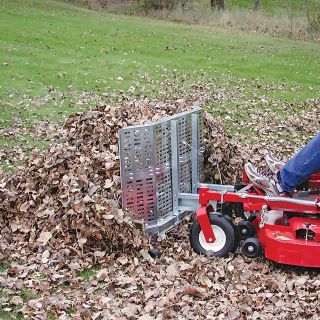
[273,6]
[47,44]
[49,48]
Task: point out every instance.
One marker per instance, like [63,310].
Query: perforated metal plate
[158,161]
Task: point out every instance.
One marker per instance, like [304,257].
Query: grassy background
[50,46]
[271,6]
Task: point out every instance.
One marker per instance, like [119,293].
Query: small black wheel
[251,248]
[154,253]
[246,230]
[223,232]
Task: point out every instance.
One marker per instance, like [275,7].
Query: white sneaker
[273,163]
[264,180]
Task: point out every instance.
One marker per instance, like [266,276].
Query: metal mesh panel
[201,145]
[146,168]
[137,168]
[185,153]
[162,136]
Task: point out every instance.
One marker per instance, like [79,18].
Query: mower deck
[280,243]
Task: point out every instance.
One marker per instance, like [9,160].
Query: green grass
[272,6]
[13,314]
[48,44]
[89,272]
[28,294]
[10,315]
[4,266]
[52,47]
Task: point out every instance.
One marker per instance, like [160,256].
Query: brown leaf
[44,237]
[194,292]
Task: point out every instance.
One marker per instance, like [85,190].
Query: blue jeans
[301,166]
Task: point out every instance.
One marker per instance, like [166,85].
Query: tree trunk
[256,4]
[217,4]
[306,3]
[184,5]
[212,4]
[221,4]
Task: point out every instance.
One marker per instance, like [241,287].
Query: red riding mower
[286,229]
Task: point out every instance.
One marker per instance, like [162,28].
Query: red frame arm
[254,202]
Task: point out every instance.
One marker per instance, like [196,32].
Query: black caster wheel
[154,253]
[246,230]
[224,234]
[251,247]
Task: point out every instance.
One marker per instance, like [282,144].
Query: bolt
[250,248]
[210,239]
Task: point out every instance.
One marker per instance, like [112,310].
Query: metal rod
[194,152]
[154,177]
[175,166]
[282,199]
[192,110]
[216,187]
[193,196]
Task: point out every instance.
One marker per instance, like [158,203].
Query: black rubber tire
[236,233]
[227,228]
[251,248]
[227,217]
[236,238]
[246,230]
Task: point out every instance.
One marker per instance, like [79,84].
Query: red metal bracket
[203,219]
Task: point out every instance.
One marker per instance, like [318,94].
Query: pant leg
[301,166]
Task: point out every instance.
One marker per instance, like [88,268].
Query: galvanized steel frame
[160,169]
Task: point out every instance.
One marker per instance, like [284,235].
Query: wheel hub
[250,248]
[218,244]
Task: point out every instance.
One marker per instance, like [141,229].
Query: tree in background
[306,4]
[256,4]
[291,11]
[217,4]
[313,17]
[148,5]
[185,4]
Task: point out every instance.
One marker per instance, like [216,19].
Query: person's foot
[273,163]
[264,180]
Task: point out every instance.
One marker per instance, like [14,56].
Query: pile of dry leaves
[70,196]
